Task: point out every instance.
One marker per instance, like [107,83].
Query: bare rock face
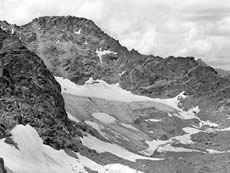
[68,47]
[2,167]
[29,94]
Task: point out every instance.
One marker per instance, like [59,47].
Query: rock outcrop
[29,94]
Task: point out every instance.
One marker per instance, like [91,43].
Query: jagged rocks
[29,94]
[69,47]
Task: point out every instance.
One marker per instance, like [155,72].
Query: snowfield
[113,92]
[101,52]
[71,117]
[99,89]
[33,156]
[165,145]
[101,147]
[104,118]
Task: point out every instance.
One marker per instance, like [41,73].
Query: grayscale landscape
[76,99]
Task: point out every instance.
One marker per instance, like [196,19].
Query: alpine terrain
[74,100]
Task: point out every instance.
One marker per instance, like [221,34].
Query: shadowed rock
[29,94]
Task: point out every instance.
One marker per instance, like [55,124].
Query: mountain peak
[126,107]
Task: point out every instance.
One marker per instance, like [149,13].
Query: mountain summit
[122,110]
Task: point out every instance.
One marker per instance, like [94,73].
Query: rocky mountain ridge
[30,94]
[75,48]
[78,50]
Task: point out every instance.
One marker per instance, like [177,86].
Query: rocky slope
[77,49]
[30,94]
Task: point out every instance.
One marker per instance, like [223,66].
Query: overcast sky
[199,28]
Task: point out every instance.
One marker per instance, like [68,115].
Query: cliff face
[29,94]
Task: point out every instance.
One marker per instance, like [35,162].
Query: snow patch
[71,117]
[101,52]
[12,30]
[96,127]
[100,89]
[225,129]
[101,147]
[104,118]
[170,148]
[208,123]
[4,29]
[122,73]
[129,126]
[34,156]
[78,32]
[165,145]
[154,120]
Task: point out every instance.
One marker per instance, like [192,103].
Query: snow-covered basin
[101,89]
[33,156]
[83,107]
[113,92]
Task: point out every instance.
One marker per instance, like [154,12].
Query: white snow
[191,130]
[208,123]
[34,156]
[104,118]
[71,117]
[12,30]
[96,126]
[153,146]
[100,89]
[154,120]
[225,129]
[78,32]
[186,139]
[211,151]
[123,72]
[170,148]
[101,52]
[101,146]
[165,145]
[110,168]
[4,29]
[129,126]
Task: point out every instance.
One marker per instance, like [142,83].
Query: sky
[199,28]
